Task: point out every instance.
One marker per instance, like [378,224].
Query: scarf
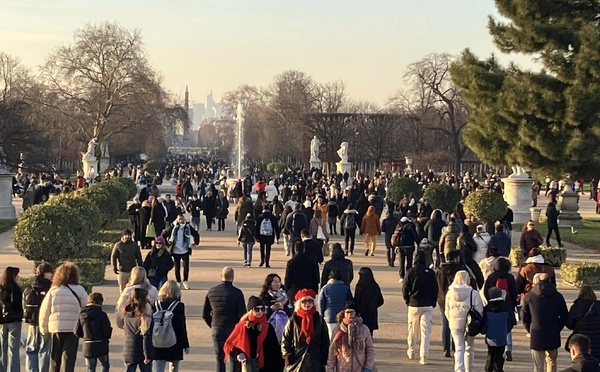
[345,334]
[535,259]
[239,337]
[279,296]
[307,327]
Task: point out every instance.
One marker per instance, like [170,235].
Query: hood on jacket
[271,183]
[502,266]
[351,211]
[249,223]
[337,254]
[544,289]
[40,283]
[436,214]
[91,312]
[460,292]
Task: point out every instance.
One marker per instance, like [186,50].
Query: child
[499,321]
[94,327]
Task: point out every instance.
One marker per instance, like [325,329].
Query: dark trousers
[209,221]
[177,258]
[265,252]
[555,229]
[495,359]
[219,336]
[63,352]
[91,363]
[350,236]
[221,222]
[406,259]
[332,229]
[391,255]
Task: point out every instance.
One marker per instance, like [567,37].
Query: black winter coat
[12,299]
[210,206]
[163,263]
[588,325]
[544,316]
[247,232]
[314,249]
[433,228]
[175,352]
[502,270]
[42,286]
[293,343]
[420,287]
[223,306]
[267,239]
[341,263]
[271,350]
[94,327]
[584,363]
[388,225]
[222,207]
[501,242]
[159,216]
[552,214]
[301,272]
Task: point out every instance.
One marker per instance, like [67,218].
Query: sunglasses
[350,311]
[258,308]
[530,224]
[308,301]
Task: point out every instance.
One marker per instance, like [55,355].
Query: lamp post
[240,122]
[409,161]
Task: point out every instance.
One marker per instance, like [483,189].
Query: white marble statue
[104,150]
[343,152]
[314,149]
[518,172]
[91,148]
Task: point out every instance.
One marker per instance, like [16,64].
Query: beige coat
[60,309]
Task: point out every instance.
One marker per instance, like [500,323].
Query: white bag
[320,233]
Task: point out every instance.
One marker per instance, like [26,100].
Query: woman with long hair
[351,348]
[59,313]
[459,299]
[137,279]
[135,318]
[584,318]
[370,227]
[317,228]
[368,297]
[273,294]
[253,344]
[145,215]
[305,342]
[10,319]
[158,263]
[169,297]
[287,240]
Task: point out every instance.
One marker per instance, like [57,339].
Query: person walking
[530,238]
[209,207]
[125,256]
[37,345]
[388,226]
[93,326]
[482,240]
[552,213]
[351,348]
[194,207]
[317,228]
[534,264]
[158,263]
[301,272]
[223,307]
[332,298]
[135,318]
[305,343]
[460,298]
[449,238]
[59,313]
[500,241]
[499,320]
[433,228]
[420,293]
[406,242]
[339,262]
[222,210]
[370,228]
[169,297]
[369,298]
[584,319]
[581,360]
[349,221]
[296,222]
[544,316]
[11,317]
[181,249]
[267,230]
[246,238]
[138,279]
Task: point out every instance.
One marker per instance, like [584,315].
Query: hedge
[91,270]
[443,197]
[486,205]
[552,255]
[25,282]
[129,184]
[102,198]
[82,207]
[580,273]
[399,186]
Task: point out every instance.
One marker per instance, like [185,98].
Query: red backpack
[502,283]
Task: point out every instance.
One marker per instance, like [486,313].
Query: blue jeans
[37,350]
[446,333]
[91,363]
[196,223]
[219,336]
[247,252]
[131,367]
[158,282]
[10,341]
[161,365]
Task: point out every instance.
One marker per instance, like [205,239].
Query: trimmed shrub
[399,186]
[443,197]
[82,207]
[101,197]
[276,168]
[151,166]
[47,232]
[131,187]
[581,273]
[486,205]
[91,270]
[118,191]
[552,255]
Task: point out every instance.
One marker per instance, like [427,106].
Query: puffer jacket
[448,240]
[126,295]
[482,241]
[94,327]
[586,323]
[332,298]
[271,191]
[458,303]
[60,309]
[247,232]
[137,346]
[355,359]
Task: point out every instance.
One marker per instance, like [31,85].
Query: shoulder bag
[575,330]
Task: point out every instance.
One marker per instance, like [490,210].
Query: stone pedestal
[7,209]
[104,165]
[315,163]
[88,161]
[344,167]
[517,193]
[568,205]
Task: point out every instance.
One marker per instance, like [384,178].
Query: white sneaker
[401,280]
[179,284]
[423,361]
[185,285]
[409,354]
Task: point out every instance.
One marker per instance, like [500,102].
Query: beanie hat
[159,239]
[126,232]
[352,305]
[495,294]
[305,293]
[253,302]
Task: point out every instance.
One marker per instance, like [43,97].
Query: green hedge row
[580,273]
[552,255]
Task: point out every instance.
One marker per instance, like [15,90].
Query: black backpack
[32,299]
[475,322]
[398,235]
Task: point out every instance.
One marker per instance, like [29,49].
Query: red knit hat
[305,293]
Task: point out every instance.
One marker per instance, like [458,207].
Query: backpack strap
[157,305]
[173,305]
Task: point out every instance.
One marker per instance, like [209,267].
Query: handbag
[150,231]
[320,233]
[325,249]
[574,331]
[475,324]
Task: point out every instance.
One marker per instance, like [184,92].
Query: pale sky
[219,45]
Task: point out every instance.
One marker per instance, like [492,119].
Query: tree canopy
[548,120]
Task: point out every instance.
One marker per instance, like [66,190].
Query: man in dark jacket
[341,263]
[581,360]
[420,292]
[295,222]
[408,241]
[544,316]
[171,209]
[500,241]
[552,213]
[194,207]
[301,272]
[433,229]
[125,256]
[266,233]
[388,225]
[94,327]
[224,305]
[312,247]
